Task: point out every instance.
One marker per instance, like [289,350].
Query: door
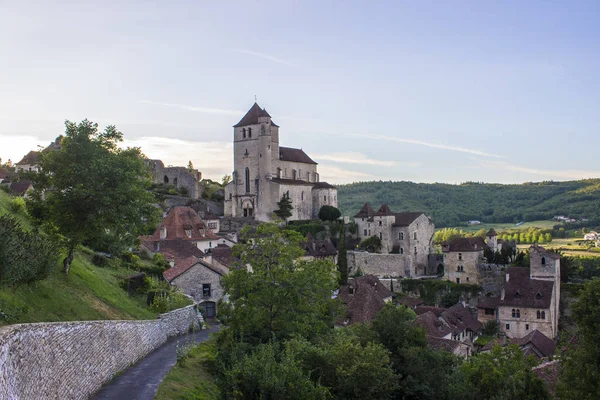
[209,309]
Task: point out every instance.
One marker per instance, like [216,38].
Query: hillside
[87,293]
[451,205]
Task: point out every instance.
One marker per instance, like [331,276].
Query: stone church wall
[72,360]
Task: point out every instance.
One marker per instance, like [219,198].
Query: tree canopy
[284,210]
[329,213]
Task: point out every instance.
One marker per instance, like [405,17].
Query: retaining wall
[72,360]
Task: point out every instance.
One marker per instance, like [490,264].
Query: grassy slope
[509,226]
[87,293]
[191,379]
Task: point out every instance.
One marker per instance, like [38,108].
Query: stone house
[320,249]
[198,279]
[264,172]
[408,234]
[180,177]
[534,343]
[529,298]
[363,297]
[183,222]
[461,257]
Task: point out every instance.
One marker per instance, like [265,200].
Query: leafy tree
[371,244]
[285,208]
[580,375]
[225,180]
[329,213]
[504,373]
[491,328]
[98,190]
[343,258]
[282,295]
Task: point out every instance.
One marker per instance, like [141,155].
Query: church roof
[299,182]
[294,155]
[251,117]
[323,185]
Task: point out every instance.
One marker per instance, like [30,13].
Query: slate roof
[294,155]
[323,185]
[30,158]
[319,248]
[542,343]
[384,210]
[224,255]
[423,309]
[182,218]
[298,182]
[522,291]
[251,117]
[432,325]
[367,299]
[442,344]
[491,232]
[464,245]
[460,319]
[365,212]
[406,218]
[20,188]
[410,301]
[544,252]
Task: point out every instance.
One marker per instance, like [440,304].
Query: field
[571,247]
[542,224]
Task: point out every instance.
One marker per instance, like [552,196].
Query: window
[166,179]
[294,174]
[543,260]
[244,132]
[365,233]
[514,313]
[325,198]
[415,236]
[206,290]
[230,196]
[350,290]
[518,313]
[278,172]
[460,256]
[247,173]
[245,212]
[380,235]
[188,233]
[302,196]
[457,280]
[526,327]
[209,244]
[249,132]
[543,314]
[508,327]
[401,236]
[467,279]
[489,311]
[539,315]
[401,250]
[415,251]
[379,223]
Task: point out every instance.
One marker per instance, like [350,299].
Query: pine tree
[343,257]
[285,207]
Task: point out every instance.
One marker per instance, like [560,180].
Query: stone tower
[545,265]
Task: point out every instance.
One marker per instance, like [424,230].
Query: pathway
[141,381]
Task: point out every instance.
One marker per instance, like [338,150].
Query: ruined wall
[72,360]
[378,264]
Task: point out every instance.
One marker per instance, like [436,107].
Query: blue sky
[426,91]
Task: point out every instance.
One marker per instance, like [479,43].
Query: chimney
[507,277]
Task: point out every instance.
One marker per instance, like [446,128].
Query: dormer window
[350,290]
[517,295]
[538,295]
[163,232]
[188,233]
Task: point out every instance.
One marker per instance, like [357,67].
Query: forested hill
[451,205]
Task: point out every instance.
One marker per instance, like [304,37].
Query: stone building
[529,298]
[363,297]
[461,258]
[407,234]
[180,177]
[264,172]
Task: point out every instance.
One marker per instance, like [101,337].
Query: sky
[427,91]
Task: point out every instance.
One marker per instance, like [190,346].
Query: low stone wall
[72,360]
[392,265]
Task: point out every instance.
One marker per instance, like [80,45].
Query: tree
[329,213]
[343,257]
[225,180]
[580,375]
[98,190]
[190,166]
[285,207]
[371,244]
[282,296]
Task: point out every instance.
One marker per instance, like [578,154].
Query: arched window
[401,250]
[539,315]
[514,313]
[518,313]
[166,179]
[249,132]
[543,260]
[543,314]
[247,180]
[244,132]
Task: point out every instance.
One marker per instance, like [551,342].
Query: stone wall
[72,360]
[378,264]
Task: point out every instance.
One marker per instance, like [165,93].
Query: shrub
[491,328]
[371,244]
[17,205]
[101,260]
[329,213]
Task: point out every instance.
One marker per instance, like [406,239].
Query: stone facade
[264,172]
[393,265]
[177,176]
[201,282]
[72,360]
[461,267]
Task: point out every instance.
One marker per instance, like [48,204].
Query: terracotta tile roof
[460,319]
[365,212]
[294,155]
[384,210]
[298,182]
[432,325]
[367,299]
[20,188]
[549,373]
[184,264]
[30,158]
[323,185]
[319,248]
[178,248]
[522,291]
[464,245]
[251,117]
[410,301]
[544,345]
[406,218]
[181,219]
[442,344]
[423,309]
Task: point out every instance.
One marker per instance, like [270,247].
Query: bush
[17,205]
[101,260]
[329,213]
[491,328]
[371,244]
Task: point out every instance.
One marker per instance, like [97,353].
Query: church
[265,172]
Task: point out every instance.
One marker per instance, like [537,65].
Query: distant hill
[452,205]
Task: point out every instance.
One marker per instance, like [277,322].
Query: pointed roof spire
[365,212]
[384,210]
[251,117]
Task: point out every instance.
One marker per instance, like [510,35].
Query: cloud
[14,147]
[206,110]
[214,159]
[422,143]
[547,174]
[331,174]
[359,158]
[265,56]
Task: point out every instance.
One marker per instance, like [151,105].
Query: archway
[440,269]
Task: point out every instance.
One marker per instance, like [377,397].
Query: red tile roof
[299,182]
[323,185]
[410,301]
[442,344]
[184,264]
[549,373]
[384,210]
[543,344]
[20,188]
[224,255]
[319,248]
[294,155]
[423,309]
[460,319]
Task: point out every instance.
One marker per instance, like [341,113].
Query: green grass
[542,224]
[5,202]
[571,247]
[190,379]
